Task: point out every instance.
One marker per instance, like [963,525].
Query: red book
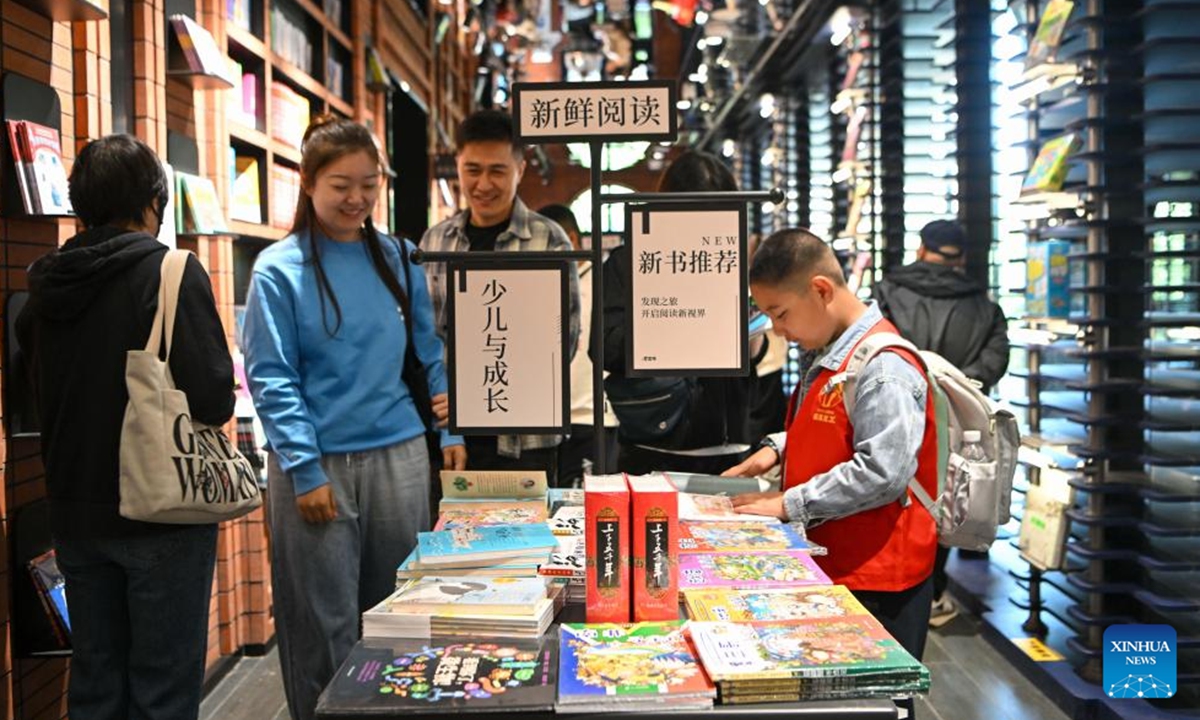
[655,548]
[19,154]
[606,513]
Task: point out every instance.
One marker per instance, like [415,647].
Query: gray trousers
[324,576]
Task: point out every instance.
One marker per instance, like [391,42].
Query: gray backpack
[973,498]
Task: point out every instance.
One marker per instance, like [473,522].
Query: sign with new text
[609,111]
[688,298]
[508,361]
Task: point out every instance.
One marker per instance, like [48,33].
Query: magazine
[831,601]
[783,568]
[707,536]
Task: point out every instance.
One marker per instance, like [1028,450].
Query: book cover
[470,594]
[607,539]
[714,508]
[19,156]
[45,170]
[606,660]
[1044,526]
[51,586]
[567,520]
[569,559]
[493,484]
[1049,169]
[244,193]
[202,210]
[749,570]
[484,542]
[1044,45]
[434,676]
[655,571]
[411,568]
[1048,279]
[453,514]
[201,51]
[707,536]
[818,647]
[794,603]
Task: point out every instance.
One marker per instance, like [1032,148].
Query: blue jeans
[324,576]
[139,622]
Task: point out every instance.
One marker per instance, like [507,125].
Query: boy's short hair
[114,180]
[792,256]
[562,215]
[490,126]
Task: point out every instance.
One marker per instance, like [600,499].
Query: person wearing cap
[938,307]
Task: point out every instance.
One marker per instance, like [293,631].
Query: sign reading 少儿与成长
[1139,661]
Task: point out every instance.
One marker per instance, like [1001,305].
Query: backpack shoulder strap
[866,351]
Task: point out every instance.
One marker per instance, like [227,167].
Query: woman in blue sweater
[325,340]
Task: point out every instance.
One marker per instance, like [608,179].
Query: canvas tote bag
[175,470]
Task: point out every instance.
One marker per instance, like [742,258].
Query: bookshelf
[1109,388]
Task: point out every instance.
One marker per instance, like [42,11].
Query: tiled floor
[970,681]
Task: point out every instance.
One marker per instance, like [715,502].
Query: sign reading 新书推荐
[611,111]
[508,361]
[688,302]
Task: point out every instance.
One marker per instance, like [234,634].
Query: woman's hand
[454,457]
[441,409]
[318,506]
[761,503]
[755,465]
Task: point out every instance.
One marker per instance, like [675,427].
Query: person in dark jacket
[937,307]
[138,592]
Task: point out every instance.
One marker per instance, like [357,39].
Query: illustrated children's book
[476,484]
[655,571]
[1049,169]
[1048,279]
[1044,45]
[607,539]
[484,544]
[471,594]
[432,676]
[473,514]
[829,601]
[820,647]
[41,174]
[714,508]
[782,568]
[628,662]
[739,537]
[411,568]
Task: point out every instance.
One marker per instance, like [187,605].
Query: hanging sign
[582,111]
[688,297]
[509,364]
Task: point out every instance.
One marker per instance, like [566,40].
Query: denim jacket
[889,426]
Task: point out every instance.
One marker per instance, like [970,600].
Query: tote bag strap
[170,278]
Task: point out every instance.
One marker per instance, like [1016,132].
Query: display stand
[32,633]
[23,99]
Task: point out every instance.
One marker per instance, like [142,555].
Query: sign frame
[631,367]
[456,272]
[522,91]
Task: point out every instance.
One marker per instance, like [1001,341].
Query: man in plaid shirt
[490,166]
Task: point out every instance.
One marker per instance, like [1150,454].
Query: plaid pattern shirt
[526,231]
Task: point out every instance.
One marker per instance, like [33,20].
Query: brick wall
[73,58]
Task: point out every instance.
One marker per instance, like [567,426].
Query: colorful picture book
[453,514]
[814,648]
[784,568]
[610,663]
[484,543]
[471,594]
[51,587]
[198,210]
[41,175]
[411,568]
[1044,45]
[829,601]
[739,537]
[396,676]
[1049,169]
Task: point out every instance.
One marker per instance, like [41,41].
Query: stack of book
[748,570]
[742,536]
[394,677]
[470,606]
[569,559]
[647,666]
[466,513]
[41,174]
[484,546]
[799,603]
[806,659]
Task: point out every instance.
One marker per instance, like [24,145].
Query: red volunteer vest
[889,548]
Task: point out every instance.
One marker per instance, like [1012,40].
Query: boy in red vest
[845,478]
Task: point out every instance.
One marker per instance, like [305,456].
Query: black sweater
[90,302]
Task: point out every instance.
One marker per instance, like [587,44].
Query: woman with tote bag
[332,313]
[138,592]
